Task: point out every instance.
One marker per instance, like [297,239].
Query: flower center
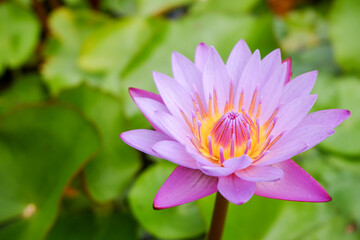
[220,134]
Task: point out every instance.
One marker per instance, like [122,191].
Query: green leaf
[25,89]
[173,223]
[344,34]
[87,224]
[347,134]
[112,170]
[157,7]
[248,221]
[70,29]
[114,46]
[41,148]
[226,6]
[19,31]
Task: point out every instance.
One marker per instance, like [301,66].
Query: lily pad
[24,90]
[347,135]
[41,148]
[112,170]
[19,31]
[344,33]
[69,29]
[173,223]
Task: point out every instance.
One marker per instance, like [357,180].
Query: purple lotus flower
[233,127]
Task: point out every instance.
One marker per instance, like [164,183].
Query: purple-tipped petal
[236,190]
[139,93]
[201,55]
[238,163]
[215,77]
[268,64]
[288,70]
[184,185]
[186,73]
[249,80]
[298,140]
[148,107]
[237,60]
[299,86]
[330,118]
[260,174]
[292,113]
[175,97]
[143,139]
[174,152]
[295,185]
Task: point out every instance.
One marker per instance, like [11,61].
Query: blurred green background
[65,67]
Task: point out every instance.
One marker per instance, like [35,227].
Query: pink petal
[260,174]
[175,97]
[268,64]
[271,91]
[215,171]
[135,92]
[143,139]
[174,152]
[186,73]
[295,185]
[237,60]
[299,86]
[238,163]
[292,113]
[201,55]
[215,77]
[184,185]
[174,127]
[288,70]
[236,190]
[300,139]
[329,118]
[148,107]
[249,80]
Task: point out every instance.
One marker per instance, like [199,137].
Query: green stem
[218,218]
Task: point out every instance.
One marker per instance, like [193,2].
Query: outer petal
[271,91]
[215,77]
[236,190]
[269,63]
[184,185]
[143,139]
[174,127]
[174,152]
[135,92]
[175,96]
[148,107]
[299,86]
[292,113]
[186,73]
[296,141]
[329,118]
[260,174]
[249,80]
[237,60]
[295,185]
[238,163]
[288,70]
[201,55]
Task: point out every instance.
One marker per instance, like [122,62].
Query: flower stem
[218,218]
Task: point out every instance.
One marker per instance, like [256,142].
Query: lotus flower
[233,127]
